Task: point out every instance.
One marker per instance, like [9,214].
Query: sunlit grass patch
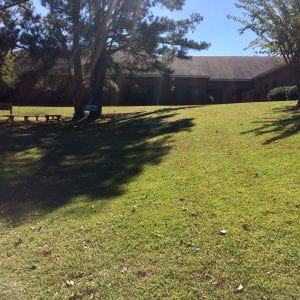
[173,202]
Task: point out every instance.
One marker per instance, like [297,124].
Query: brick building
[198,80]
[201,79]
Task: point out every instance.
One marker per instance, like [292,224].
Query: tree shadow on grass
[281,127]
[44,166]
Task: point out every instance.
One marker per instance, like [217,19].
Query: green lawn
[133,208]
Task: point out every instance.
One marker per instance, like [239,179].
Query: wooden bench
[52,117]
[9,106]
[25,117]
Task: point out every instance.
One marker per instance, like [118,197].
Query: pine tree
[101,28]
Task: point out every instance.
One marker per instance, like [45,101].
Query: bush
[292,93]
[283,93]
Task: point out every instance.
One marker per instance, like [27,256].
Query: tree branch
[11,4]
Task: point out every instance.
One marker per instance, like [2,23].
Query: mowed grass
[133,208]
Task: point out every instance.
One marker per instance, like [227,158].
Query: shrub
[283,93]
[292,93]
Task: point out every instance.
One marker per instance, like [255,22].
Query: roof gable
[225,67]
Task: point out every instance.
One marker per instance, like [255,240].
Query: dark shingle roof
[225,67]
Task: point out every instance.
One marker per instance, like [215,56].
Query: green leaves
[8,73]
[276,24]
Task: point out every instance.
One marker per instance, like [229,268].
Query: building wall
[225,91]
[190,90]
[157,91]
[182,90]
[264,83]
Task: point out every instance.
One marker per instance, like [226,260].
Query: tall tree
[277,26]
[8,4]
[14,15]
[67,17]
[101,28]
[130,26]
[11,12]
[90,32]
[23,33]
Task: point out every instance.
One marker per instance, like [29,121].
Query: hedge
[284,93]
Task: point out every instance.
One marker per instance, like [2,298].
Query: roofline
[229,79]
[173,76]
[255,56]
[188,76]
[270,71]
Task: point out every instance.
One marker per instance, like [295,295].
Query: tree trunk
[79,101]
[77,85]
[298,87]
[296,69]
[98,73]
[297,74]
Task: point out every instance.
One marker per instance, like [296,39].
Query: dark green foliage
[277,27]
[90,32]
[278,93]
[283,93]
[276,24]
[7,4]
[96,30]
[29,43]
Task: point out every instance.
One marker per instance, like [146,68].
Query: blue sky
[216,28]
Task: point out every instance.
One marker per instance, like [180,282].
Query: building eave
[277,68]
[229,79]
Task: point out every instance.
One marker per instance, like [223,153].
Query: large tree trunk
[296,69]
[77,84]
[98,73]
[298,87]
[78,98]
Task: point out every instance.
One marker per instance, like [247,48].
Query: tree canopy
[277,26]
[88,33]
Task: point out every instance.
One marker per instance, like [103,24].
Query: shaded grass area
[46,165]
[284,126]
[133,208]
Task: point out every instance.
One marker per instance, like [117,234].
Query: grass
[133,208]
